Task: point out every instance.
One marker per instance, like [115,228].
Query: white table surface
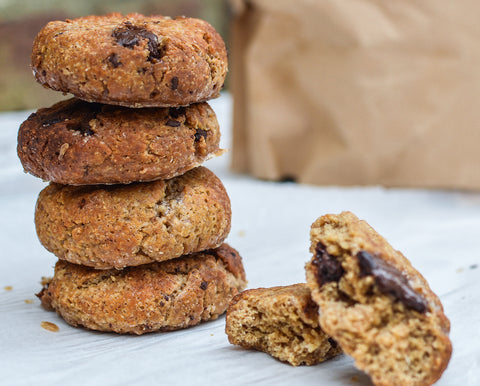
[437,230]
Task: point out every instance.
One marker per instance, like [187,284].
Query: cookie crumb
[459,270]
[355,378]
[29,301]
[49,326]
[8,288]
[241,233]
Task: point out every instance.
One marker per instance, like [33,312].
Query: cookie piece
[132,60]
[164,296]
[375,304]
[281,321]
[114,226]
[78,143]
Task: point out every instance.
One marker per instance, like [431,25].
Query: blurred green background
[20,21]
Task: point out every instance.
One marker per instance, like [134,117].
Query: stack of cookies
[137,224]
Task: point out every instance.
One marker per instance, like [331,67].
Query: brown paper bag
[357,92]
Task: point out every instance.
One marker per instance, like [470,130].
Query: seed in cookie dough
[390,280]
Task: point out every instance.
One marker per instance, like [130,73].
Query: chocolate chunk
[176,112]
[113,60]
[328,267]
[174,83]
[172,123]
[52,121]
[130,35]
[390,280]
[76,116]
[199,133]
[204,285]
[332,342]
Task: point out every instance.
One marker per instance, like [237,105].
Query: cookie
[281,321]
[77,143]
[132,60]
[114,226]
[164,296]
[380,310]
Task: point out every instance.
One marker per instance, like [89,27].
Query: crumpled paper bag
[357,92]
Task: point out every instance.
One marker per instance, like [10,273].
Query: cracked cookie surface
[164,296]
[131,60]
[114,226]
[80,143]
[373,302]
[281,321]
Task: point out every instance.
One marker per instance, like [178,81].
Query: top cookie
[131,60]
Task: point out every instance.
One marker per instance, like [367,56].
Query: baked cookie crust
[132,60]
[164,296]
[80,143]
[114,226]
[380,310]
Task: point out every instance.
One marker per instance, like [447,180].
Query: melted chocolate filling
[328,267]
[390,280]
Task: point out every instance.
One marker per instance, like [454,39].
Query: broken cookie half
[379,309]
[281,321]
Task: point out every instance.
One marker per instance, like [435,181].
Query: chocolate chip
[76,116]
[333,342]
[82,203]
[130,35]
[199,134]
[113,60]
[390,280]
[52,121]
[176,112]
[174,83]
[172,123]
[204,285]
[328,267]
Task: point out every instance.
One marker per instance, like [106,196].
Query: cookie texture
[78,143]
[380,310]
[131,60]
[164,296]
[114,226]
[281,321]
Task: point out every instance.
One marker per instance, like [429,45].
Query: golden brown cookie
[281,321]
[380,310]
[132,60]
[114,226]
[78,143]
[164,296]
